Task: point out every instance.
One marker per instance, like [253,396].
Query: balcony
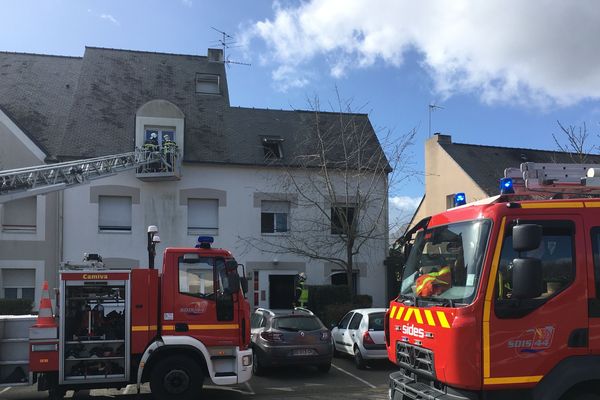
[163,165]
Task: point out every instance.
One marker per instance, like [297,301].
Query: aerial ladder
[552,180]
[41,179]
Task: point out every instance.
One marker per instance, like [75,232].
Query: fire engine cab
[174,329]
[500,298]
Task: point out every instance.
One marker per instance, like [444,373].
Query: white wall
[160,205]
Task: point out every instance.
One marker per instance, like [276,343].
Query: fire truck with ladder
[173,328]
[500,298]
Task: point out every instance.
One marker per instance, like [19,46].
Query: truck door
[525,338]
[203,307]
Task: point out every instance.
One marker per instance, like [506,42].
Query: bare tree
[577,142]
[338,182]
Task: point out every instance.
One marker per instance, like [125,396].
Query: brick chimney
[215,55]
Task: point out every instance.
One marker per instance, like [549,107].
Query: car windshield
[297,323]
[376,321]
[444,265]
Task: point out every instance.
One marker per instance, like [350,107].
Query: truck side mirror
[526,237]
[527,278]
[234,283]
[244,284]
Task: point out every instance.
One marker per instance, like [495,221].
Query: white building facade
[225,180]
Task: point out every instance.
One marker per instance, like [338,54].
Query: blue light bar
[460,199]
[204,242]
[506,186]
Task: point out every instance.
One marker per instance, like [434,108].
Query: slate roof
[85,107]
[486,164]
[36,92]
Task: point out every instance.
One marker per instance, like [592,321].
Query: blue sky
[504,70]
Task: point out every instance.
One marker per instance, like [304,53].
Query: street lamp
[153,239]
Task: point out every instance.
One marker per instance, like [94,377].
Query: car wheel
[358,359]
[324,368]
[257,368]
[176,378]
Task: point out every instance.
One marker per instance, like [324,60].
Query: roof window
[272,147]
[208,84]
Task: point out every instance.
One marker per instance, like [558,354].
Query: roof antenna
[226,42]
[432,107]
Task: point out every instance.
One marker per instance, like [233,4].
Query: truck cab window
[558,266]
[196,277]
[596,248]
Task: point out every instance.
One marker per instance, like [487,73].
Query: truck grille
[416,359]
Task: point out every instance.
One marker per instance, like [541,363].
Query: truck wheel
[56,393]
[176,378]
[358,359]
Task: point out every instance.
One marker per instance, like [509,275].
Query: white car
[360,334]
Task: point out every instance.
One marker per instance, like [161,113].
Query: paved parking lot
[342,381]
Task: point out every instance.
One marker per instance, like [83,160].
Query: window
[257,321]
[196,277]
[114,213]
[596,249]
[344,321]
[272,148]
[203,215]
[20,215]
[341,278]
[18,283]
[558,266]
[159,136]
[376,321]
[297,323]
[274,216]
[355,323]
[207,83]
[342,220]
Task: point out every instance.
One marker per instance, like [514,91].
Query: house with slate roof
[473,169]
[109,101]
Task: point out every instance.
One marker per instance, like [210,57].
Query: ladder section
[41,179]
[550,179]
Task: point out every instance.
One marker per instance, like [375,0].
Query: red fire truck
[500,298]
[174,329]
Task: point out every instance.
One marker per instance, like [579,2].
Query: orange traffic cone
[45,327]
[45,317]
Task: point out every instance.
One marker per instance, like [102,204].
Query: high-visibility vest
[434,282]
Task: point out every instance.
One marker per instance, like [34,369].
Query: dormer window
[208,84]
[272,148]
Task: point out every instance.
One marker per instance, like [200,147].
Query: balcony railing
[165,167]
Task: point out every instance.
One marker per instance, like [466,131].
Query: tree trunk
[350,267]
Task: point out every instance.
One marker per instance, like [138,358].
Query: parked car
[295,337]
[360,334]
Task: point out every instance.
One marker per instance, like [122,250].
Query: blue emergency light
[204,242]
[506,186]
[460,199]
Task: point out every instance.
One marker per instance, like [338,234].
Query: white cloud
[402,208]
[536,51]
[110,18]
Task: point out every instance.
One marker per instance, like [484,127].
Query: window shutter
[279,207]
[203,214]
[114,213]
[20,213]
[17,277]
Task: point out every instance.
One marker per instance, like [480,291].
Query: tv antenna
[432,108]
[227,42]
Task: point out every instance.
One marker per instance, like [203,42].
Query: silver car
[360,334]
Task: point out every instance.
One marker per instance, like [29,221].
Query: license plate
[303,352]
